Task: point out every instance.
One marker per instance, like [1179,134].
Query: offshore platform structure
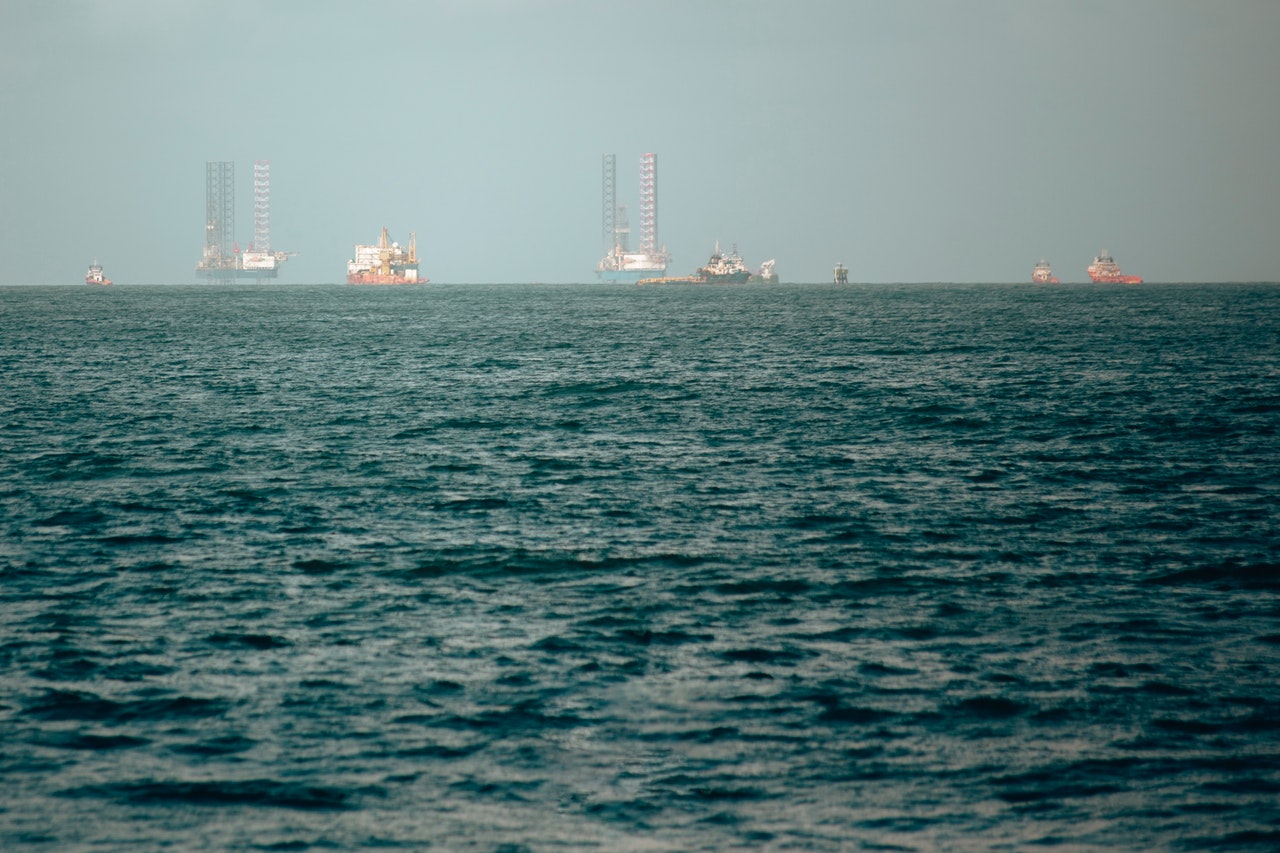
[649,204]
[223,260]
[385,262]
[619,263]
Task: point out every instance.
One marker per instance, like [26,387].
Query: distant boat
[724,269]
[721,268]
[95,276]
[766,275]
[1043,273]
[1105,270]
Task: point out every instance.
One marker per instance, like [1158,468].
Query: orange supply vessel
[1105,270]
[1043,273]
[385,263]
[95,276]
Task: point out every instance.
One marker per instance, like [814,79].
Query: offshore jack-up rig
[223,260]
[619,263]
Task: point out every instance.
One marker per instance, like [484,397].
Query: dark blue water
[523,568]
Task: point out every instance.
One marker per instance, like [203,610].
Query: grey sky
[914,140]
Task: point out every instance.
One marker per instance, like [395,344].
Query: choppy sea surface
[539,568]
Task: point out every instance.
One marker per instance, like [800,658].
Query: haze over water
[913,140]
[534,568]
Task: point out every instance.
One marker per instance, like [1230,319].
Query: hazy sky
[914,140]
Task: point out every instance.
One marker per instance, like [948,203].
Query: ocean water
[541,568]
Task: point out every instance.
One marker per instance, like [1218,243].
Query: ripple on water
[511,568]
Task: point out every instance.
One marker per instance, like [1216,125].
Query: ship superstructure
[1105,270]
[1043,273]
[720,268]
[619,263]
[94,275]
[724,268]
[385,262]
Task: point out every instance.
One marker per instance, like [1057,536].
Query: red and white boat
[1105,270]
[95,276]
[1043,273]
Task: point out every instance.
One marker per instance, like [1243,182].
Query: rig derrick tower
[608,203]
[261,206]
[649,204]
[219,261]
